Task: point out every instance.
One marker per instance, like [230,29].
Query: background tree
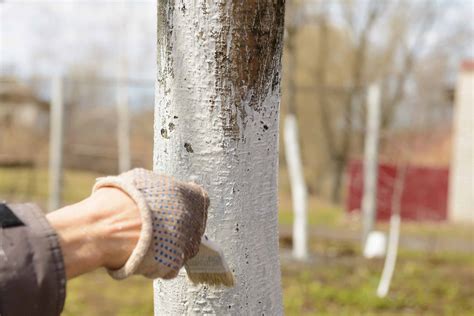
[343,50]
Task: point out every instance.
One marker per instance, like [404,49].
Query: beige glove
[174,215]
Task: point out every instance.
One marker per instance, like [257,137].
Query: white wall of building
[461,196]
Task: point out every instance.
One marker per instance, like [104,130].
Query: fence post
[123,128]
[123,116]
[56,143]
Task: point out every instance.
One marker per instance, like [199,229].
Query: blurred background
[375,92]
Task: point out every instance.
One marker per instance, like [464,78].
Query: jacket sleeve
[32,274]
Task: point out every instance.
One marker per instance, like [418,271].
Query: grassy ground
[340,282]
[336,281]
[320,213]
[21,184]
[96,294]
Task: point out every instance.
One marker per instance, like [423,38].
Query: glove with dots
[173,214]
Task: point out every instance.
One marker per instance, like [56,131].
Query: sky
[44,37]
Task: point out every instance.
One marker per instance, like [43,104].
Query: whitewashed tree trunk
[298,188]
[390,260]
[56,144]
[369,199]
[292,148]
[216,122]
[394,234]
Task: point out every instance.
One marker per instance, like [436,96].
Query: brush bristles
[215,279]
[209,266]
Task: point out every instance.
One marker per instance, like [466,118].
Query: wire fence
[90,138]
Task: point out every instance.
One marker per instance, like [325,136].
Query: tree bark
[216,122]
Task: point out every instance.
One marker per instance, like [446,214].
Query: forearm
[100,231]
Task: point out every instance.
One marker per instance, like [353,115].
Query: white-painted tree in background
[371,152]
[217,111]
[296,16]
[298,187]
[394,233]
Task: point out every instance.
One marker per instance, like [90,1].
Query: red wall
[425,194]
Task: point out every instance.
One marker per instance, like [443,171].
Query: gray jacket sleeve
[32,274]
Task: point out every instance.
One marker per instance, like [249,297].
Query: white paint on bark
[394,233]
[369,199]
[298,188]
[216,122]
[390,260]
[56,144]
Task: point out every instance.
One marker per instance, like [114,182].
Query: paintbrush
[209,266]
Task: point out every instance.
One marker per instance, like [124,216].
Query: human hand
[173,219]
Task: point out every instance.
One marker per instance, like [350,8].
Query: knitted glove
[173,214]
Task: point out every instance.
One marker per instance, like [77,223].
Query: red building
[424,197]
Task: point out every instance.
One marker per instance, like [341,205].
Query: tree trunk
[394,233]
[371,152]
[294,162]
[299,194]
[216,122]
[338,165]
